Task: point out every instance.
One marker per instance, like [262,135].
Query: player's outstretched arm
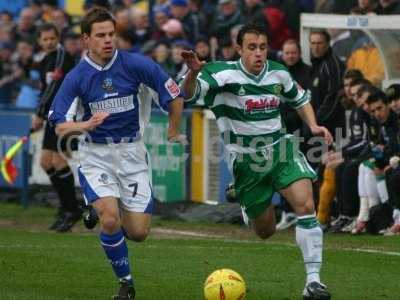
[71,127]
[174,122]
[306,113]
[194,65]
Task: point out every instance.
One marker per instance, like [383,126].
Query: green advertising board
[167,160]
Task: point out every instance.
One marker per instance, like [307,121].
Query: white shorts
[116,170]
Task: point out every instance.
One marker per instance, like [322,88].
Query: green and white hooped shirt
[246,106]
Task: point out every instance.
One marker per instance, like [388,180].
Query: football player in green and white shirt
[244,96]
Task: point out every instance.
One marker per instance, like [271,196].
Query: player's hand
[177,138]
[37,122]
[192,60]
[322,131]
[96,120]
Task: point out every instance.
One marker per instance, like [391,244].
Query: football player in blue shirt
[111,91]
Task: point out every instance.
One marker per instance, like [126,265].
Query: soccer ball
[224,284]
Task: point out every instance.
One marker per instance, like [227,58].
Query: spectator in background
[125,40]
[161,16]
[29,77]
[203,51]
[73,45]
[142,31]
[388,7]
[13,7]
[346,173]
[7,74]
[163,58]
[393,95]
[392,174]
[173,31]
[278,28]
[26,28]
[371,184]
[6,20]
[180,10]
[253,12]
[180,67]
[326,80]
[60,18]
[228,50]
[225,18]
[369,6]
[123,19]
[55,65]
[301,73]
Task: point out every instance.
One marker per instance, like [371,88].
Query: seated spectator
[372,184]
[393,95]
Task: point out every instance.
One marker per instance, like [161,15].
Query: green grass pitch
[174,261]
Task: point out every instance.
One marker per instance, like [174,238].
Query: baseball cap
[393,92]
[179,2]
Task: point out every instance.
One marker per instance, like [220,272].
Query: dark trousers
[393,185]
[347,191]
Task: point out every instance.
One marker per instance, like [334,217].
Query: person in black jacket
[364,131]
[55,65]
[301,72]
[372,171]
[326,81]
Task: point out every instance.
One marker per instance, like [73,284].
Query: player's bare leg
[136,225]
[113,241]
[308,236]
[265,224]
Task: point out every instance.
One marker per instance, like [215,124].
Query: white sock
[372,201]
[309,239]
[363,214]
[382,191]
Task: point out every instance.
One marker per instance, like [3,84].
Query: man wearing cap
[190,22]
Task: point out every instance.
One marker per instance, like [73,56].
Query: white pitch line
[204,235]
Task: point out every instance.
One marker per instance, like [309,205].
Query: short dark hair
[47,27]
[322,32]
[358,81]
[353,74]
[255,28]
[95,15]
[376,95]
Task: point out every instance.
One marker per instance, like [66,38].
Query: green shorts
[259,175]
